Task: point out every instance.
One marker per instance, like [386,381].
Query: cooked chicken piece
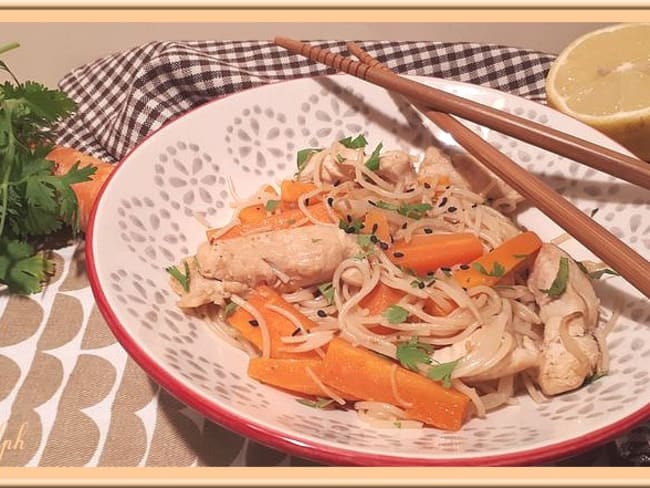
[337,165]
[564,367]
[437,163]
[288,259]
[466,171]
[203,290]
[396,167]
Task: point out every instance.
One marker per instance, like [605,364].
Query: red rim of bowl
[295,445]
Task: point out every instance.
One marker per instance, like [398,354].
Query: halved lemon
[603,79]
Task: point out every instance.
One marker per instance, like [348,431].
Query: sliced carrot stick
[256,213]
[291,191]
[442,180]
[426,253]
[278,325]
[64,159]
[292,375]
[282,220]
[492,267]
[357,371]
[378,300]
[377,223]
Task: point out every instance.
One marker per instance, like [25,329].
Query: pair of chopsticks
[437,105]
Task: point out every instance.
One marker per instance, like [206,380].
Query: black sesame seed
[254,323]
[372,203]
[409,190]
[383,245]
[330,201]
[447,187]
[322,314]
[464,266]
[427,186]
[474,205]
[464,289]
[451,209]
[349,218]
[375,226]
[337,183]
[446,269]
[405,225]
[306,201]
[430,273]
[398,254]
[443,202]
[421,285]
[295,332]
[374,239]
[428,230]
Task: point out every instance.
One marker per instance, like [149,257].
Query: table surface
[69,393]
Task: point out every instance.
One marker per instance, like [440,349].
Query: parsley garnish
[319,403]
[366,244]
[302,157]
[34,202]
[339,158]
[327,290]
[442,372]
[498,269]
[412,353]
[410,210]
[558,287]
[352,227]
[229,309]
[356,143]
[594,377]
[271,205]
[183,279]
[373,161]
[598,274]
[395,314]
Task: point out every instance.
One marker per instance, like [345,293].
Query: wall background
[49,50]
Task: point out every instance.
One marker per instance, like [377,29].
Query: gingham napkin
[125,96]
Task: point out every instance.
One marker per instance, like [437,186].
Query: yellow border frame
[327,476]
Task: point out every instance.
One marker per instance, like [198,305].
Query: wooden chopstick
[627,262]
[611,162]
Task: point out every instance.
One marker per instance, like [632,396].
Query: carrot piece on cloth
[357,371]
[278,325]
[282,220]
[427,252]
[491,268]
[64,158]
[292,375]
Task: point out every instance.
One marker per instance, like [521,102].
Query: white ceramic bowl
[144,222]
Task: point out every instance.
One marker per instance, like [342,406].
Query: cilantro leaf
[412,353]
[271,205]
[373,161]
[302,157]
[598,274]
[229,309]
[352,227]
[340,158]
[356,143]
[327,290]
[442,372]
[395,314]
[318,403]
[413,211]
[558,287]
[21,268]
[497,271]
[183,279]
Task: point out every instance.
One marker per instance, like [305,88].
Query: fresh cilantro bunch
[33,202]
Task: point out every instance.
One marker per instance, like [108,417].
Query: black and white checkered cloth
[123,97]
